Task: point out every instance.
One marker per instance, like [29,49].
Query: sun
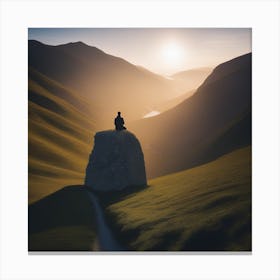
[173,54]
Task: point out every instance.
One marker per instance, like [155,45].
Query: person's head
[119,113]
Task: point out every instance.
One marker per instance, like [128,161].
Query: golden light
[173,54]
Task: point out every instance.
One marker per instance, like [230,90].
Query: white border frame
[262,16]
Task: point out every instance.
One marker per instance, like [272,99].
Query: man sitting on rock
[119,122]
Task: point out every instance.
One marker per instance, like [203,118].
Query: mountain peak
[78,43]
[72,45]
[35,43]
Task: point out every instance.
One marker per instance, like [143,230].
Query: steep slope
[238,134]
[173,140]
[102,79]
[207,208]
[59,136]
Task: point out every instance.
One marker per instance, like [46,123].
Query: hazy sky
[161,50]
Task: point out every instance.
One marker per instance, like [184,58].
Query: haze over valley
[141,142]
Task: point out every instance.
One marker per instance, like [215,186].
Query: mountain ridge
[87,70]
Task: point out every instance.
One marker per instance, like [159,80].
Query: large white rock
[116,162]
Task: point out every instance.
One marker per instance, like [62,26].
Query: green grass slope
[62,221]
[59,136]
[207,208]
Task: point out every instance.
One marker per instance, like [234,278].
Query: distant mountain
[169,104]
[216,115]
[108,81]
[190,80]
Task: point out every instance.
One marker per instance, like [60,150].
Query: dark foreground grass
[207,208]
[71,238]
[62,221]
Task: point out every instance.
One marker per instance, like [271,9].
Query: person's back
[119,122]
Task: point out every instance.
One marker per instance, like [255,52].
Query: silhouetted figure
[119,122]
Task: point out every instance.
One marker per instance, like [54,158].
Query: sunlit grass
[59,137]
[204,208]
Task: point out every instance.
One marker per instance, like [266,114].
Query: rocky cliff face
[116,162]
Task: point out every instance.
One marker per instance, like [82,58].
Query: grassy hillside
[207,208]
[62,221]
[59,136]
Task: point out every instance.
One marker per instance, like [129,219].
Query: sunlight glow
[173,54]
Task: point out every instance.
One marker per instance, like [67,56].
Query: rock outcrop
[116,162]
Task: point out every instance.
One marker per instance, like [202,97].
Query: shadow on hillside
[227,235]
[62,221]
[65,220]
[221,237]
[231,232]
[110,197]
[69,206]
